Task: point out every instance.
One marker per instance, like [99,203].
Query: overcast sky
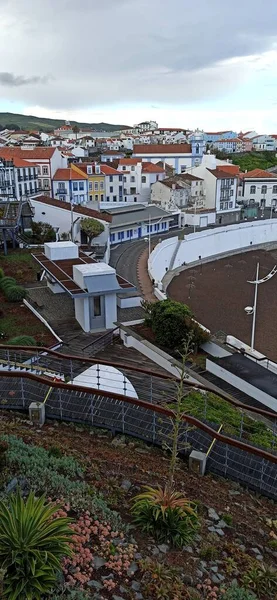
[207,64]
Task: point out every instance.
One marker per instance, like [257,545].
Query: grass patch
[20,264]
[219,411]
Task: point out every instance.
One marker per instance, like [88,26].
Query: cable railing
[228,457]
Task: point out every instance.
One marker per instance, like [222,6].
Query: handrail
[152,407]
[197,386]
[101,337]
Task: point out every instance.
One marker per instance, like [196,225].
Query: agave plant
[166,514]
[32,545]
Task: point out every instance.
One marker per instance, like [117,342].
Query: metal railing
[228,456]
[100,343]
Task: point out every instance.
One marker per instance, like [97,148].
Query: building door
[203,222]
[97,312]
[139,232]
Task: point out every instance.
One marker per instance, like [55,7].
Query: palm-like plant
[32,545]
[166,514]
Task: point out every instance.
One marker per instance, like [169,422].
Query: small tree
[76,130]
[92,228]
[43,232]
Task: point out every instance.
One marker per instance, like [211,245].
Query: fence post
[8,359]
[98,376]
[262,473]
[91,409]
[124,386]
[22,392]
[71,370]
[151,389]
[274,432]
[123,417]
[60,403]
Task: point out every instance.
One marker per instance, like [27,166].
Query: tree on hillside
[92,228]
[12,127]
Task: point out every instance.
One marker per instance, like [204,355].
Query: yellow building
[96,180]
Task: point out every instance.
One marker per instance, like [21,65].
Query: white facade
[262,190]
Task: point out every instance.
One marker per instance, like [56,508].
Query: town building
[180,156]
[179,191]
[136,222]
[221,184]
[18,178]
[47,160]
[264,142]
[70,185]
[113,186]
[211,137]
[96,180]
[93,286]
[258,186]
[110,155]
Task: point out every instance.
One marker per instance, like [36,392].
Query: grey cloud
[11,80]
[120,51]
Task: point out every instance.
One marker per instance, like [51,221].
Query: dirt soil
[219,291]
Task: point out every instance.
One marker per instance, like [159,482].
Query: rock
[234,493]
[214,569]
[163,548]
[198,538]
[220,532]
[155,551]
[77,428]
[136,586]
[132,569]
[115,597]
[188,549]
[259,557]
[220,577]
[242,547]
[138,596]
[118,442]
[110,576]
[215,579]
[199,573]
[221,524]
[126,485]
[203,564]
[138,556]
[141,450]
[256,550]
[12,485]
[212,529]
[98,562]
[95,584]
[213,514]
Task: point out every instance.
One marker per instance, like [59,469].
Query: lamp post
[252,310]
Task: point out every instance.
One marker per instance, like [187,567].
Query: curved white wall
[210,242]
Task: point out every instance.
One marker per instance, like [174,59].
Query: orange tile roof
[82,210]
[19,162]
[162,148]
[148,167]
[129,161]
[234,169]
[36,154]
[109,170]
[221,174]
[258,174]
[67,175]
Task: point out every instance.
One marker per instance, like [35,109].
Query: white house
[138,176]
[181,157]
[264,142]
[92,286]
[113,186]
[221,184]
[70,186]
[46,159]
[137,221]
[67,222]
[259,186]
[18,178]
[179,191]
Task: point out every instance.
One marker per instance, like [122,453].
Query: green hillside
[28,122]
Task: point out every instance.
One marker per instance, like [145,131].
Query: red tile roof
[234,169]
[36,154]
[110,170]
[112,152]
[129,161]
[82,210]
[258,174]
[221,174]
[19,162]
[148,167]
[67,175]
[188,177]
[162,149]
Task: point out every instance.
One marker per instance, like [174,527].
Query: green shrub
[72,595]
[1,273]
[166,515]
[237,593]
[160,581]
[6,281]
[23,340]
[15,293]
[32,545]
[209,552]
[262,580]
[228,519]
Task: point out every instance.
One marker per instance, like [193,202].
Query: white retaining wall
[209,243]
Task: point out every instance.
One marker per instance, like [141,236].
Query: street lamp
[252,310]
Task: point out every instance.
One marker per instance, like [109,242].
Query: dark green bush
[15,293]
[23,340]
[6,281]
[237,593]
[1,273]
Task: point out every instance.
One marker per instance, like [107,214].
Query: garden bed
[20,265]
[236,535]
[17,320]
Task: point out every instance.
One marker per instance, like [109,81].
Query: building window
[221,206]
[38,170]
[111,178]
[156,226]
[274,189]
[232,182]
[46,184]
[90,186]
[225,205]
[143,179]
[75,186]
[231,192]
[96,197]
[97,306]
[252,189]
[111,189]
[132,168]
[230,204]
[82,198]
[108,198]
[120,235]
[96,186]
[101,185]
[133,179]
[123,168]
[129,233]
[81,186]
[112,237]
[45,171]
[163,225]
[125,179]
[114,198]
[120,178]
[264,189]
[102,198]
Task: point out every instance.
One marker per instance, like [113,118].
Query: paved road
[124,257]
